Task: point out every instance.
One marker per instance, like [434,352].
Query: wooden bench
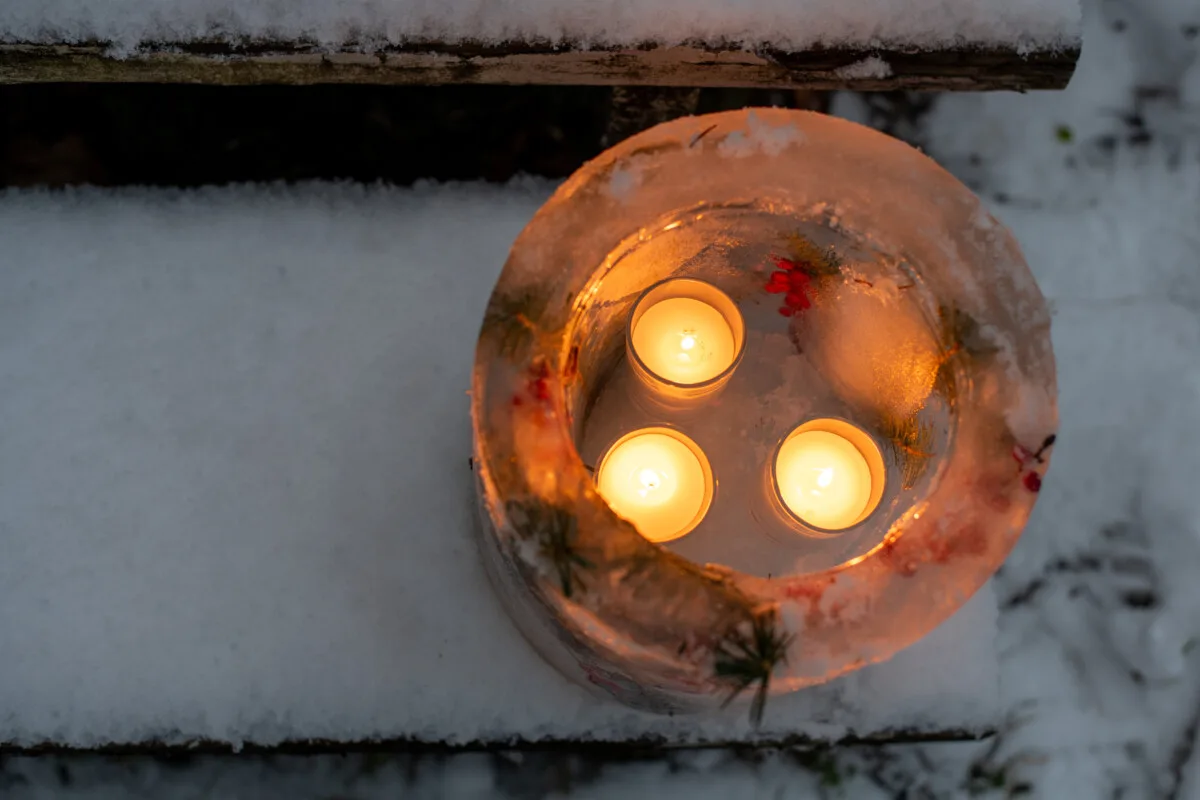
[815,44]
[971,68]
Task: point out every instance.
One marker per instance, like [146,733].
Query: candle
[829,474]
[659,480]
[685,333]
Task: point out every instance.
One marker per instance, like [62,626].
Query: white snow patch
[869,67]
[759,138]
[625,180]
[1027,416]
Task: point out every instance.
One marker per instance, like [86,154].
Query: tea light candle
[659,480]
[829,474]
[685,333]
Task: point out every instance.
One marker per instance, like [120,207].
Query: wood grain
[214,62]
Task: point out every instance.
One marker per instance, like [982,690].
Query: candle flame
[650,481]
[658,480]
[824,477]
[684,340]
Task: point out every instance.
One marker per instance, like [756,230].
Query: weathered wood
[640,744]
[213,62]
[633,109]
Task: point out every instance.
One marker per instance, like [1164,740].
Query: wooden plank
[215,62]
[626,747]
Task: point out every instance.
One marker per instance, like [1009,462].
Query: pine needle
[511,316]
[946,382]
[816,261]
[556,531]
[909,441]
[745,659]
[962,333]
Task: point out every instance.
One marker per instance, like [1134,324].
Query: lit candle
[829,474]
[685,332]
[659,480]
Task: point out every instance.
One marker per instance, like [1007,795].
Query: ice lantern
[860,415]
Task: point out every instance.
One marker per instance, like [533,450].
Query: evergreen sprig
[815,261]
[909,441]
[945,382]
[556,532]
[744,659]
[962,333]
[961,339]
[511,316]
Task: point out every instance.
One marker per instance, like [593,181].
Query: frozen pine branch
[909,442]
[747,659]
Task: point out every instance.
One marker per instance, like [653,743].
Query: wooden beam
[643,744]
[214,62]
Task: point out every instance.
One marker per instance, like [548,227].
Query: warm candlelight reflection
[659,480]
[684,340]
[683,334]
[829,474]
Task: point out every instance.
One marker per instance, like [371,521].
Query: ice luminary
[760,397]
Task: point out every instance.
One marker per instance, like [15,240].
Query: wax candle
[829,474]
[659,480]
[685,333]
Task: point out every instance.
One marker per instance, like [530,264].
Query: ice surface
[797,24]
[234,492]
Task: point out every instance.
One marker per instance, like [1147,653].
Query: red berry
[784,263]
[797,301]
[798,280]
[1032,481]
[785,311]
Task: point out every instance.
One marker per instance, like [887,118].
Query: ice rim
[635,621]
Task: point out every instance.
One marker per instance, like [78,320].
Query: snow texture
[235,501]
[793,24]
[870,67]
[760,137]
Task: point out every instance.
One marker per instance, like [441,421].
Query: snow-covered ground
[1100,606]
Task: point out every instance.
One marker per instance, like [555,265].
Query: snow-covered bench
[235,500]
[861,44]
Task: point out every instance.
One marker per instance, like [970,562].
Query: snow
[870,67]
[760,137]
[234,494]
[790,24]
